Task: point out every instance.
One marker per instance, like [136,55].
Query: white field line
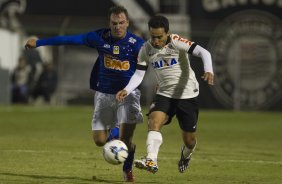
[161,158]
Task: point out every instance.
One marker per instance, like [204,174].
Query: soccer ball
[115,152]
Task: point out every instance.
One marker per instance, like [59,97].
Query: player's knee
[190,140]
[98,141]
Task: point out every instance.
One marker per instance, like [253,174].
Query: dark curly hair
[159,21]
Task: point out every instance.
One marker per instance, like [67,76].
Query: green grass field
[53,145]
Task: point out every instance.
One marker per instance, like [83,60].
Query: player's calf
[127,166]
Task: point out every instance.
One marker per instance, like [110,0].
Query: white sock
[187,152]
[154,141]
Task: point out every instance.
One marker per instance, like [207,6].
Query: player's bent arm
[136,79]
[206,57]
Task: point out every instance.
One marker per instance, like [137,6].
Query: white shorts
[108,112]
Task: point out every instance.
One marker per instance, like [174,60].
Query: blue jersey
[116,62]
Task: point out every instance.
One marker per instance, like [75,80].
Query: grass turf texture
[53,145]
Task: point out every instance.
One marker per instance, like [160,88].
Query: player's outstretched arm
[31,43]
[79,39]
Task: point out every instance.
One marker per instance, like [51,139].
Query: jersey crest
[116,50]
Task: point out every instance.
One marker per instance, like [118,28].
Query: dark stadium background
[63,17]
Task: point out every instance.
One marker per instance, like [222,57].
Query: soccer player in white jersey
[177,92]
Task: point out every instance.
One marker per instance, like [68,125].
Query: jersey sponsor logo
[164,63]
[248,67]
[115,64]
[116,50]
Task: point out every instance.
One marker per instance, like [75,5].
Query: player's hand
[121,95]
[208,76]
[30,44]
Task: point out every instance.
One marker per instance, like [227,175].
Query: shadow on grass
[111,181]
[93,179]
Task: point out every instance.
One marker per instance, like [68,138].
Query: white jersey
[171,64]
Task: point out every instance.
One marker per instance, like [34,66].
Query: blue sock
[113,133]
[127,165]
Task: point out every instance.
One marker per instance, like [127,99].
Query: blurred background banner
[245,41]
[243,36]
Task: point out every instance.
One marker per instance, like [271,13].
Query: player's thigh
[161,112]
[129,111]
[104,115]
[187,111]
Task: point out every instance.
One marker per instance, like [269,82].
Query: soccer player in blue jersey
[118,50]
